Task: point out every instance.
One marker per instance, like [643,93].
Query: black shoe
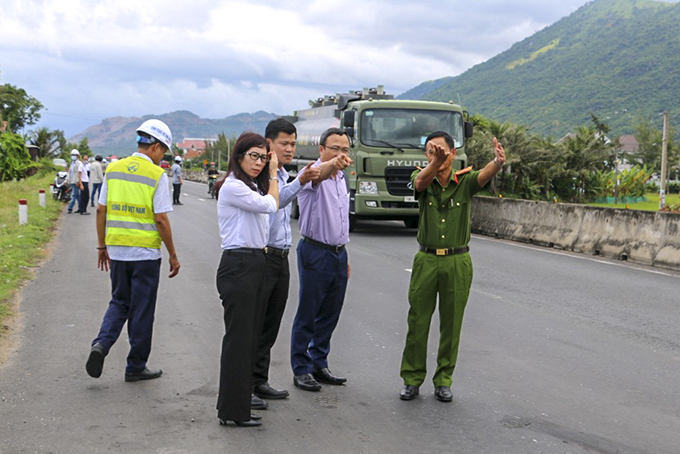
[443,394]
[306,382]
[69,212]
[265,391]
[409,392]
[146,374]
[258,404]
[325,376]
[180,203]
[92,205]
[250,423]
[95,362]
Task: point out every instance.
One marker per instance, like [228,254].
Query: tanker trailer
[387,139]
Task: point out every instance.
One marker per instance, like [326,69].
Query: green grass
[22,247]
[652,203]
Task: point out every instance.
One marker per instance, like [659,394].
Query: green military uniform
[444,228]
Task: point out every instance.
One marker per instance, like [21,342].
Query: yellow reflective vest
[131,184]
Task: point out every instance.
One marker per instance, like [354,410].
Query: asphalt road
[561,353]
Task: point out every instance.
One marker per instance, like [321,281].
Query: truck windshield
[408,128]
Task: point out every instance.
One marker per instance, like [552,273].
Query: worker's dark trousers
[134,286]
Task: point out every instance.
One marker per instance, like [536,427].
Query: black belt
[324,245]
[445,251]
[243,250]
[276,252]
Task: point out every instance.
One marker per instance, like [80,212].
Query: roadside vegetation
[21,177]
[650,204]
[582,167]
[23,246]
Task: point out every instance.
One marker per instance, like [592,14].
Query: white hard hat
[158,130]
[75,152]
[178,159]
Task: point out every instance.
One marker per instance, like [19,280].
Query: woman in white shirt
[247,198]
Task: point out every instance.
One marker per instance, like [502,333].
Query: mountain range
[115,136]
[617,59]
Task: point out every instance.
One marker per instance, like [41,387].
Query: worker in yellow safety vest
[132,222]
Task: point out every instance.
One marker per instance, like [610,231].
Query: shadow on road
[383,228]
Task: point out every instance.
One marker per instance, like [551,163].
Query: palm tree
[46,141]
[584,153]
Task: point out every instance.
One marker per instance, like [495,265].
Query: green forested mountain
[116,136]
[615,58]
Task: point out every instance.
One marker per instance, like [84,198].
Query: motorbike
[211,184]
[61,190]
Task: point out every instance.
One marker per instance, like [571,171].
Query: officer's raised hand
[439,152]
[495,166]
[500,152]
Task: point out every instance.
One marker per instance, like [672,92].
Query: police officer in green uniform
[442,265]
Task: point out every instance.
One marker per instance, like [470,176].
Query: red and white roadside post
[41,198]
[23,211]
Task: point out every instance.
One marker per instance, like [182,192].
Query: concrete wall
[645,237]
[198,176]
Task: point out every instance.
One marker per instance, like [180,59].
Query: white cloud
[87,60]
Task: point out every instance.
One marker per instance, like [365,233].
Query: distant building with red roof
[193,148]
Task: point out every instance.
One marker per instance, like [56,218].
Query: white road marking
[494,296]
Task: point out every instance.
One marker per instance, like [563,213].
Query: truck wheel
[352,222]
[411,223]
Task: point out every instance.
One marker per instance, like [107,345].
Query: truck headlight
[368,187]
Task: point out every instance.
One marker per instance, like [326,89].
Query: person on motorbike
[213,174]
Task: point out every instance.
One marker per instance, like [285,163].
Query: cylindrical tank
[310,125]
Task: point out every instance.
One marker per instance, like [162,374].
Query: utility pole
[664,163]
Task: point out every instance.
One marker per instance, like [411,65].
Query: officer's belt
[324,245]
[276,252]
[445,251]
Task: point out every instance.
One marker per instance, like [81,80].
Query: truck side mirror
[469,126]
[348,119]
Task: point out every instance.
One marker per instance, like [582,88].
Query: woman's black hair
[245,142]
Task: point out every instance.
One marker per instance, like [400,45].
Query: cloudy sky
[87,60]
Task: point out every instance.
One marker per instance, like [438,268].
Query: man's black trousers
[176,189]
[274,297]
[84,197]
